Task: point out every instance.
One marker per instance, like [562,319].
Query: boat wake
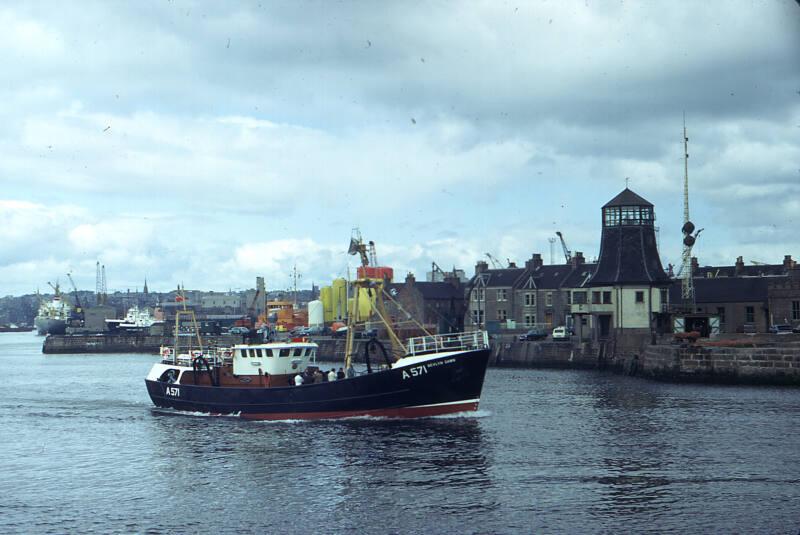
[192,414]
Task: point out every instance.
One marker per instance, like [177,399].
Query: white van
[560,333]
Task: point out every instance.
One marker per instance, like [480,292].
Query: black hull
[439,386]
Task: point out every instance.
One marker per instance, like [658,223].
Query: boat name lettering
[173,391]
[433,364]
[416,371]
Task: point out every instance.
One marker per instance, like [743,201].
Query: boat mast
[181,297]
[374,289]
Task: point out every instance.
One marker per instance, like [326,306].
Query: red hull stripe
[403,412]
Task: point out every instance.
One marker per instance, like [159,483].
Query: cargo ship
[53,314]
[278,380]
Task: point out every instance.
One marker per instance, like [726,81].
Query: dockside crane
[495,263]
[567,252]
[78,305]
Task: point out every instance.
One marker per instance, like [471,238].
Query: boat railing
[215,357]
[448,342]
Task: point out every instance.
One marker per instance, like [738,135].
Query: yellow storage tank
[339,299]
[364,305]
[326,296]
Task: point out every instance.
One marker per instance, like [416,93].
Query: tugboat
[425,376]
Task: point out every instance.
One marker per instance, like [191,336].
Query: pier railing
[448,342]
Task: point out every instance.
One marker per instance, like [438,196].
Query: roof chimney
[739,269]
[577,259]
[480,267]
[410,279]
[535,262]
[788,263]
[695,264]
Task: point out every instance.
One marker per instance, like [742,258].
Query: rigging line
[410,316]
[388,325]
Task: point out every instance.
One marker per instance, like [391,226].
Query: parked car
[239,330]
[560,333]
[366,334]
[341,331]
[783,328]
[534,334]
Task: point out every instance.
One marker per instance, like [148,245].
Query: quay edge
[765,360]
[121,343]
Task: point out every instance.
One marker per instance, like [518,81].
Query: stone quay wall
[510,352]
[776,365]
[122,343]
[766,360]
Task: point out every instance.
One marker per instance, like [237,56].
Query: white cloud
[208,143]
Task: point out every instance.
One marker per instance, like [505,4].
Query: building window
[548,299]
[796,310]
[750,314]
[477,317]
[529,320]
[664,299]
[640,297]
[501,314]
[568,297]
[477,294]
[579,298]
[721,314]
[501,294]
[595,298]
[611,216]
[606,298]
[530,299]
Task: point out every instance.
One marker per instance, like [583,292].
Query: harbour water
[82,450]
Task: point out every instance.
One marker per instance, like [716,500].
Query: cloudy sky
[210,142]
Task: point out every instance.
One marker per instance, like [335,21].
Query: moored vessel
[53,314]
[135,320]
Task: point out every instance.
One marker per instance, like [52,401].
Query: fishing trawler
[423,376]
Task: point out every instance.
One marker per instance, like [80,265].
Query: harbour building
[627,296]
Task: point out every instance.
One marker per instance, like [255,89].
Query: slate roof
[555,276]
[580,276]
[440,290]
[760,270]
[502,278]
[627,198]
[725,290]
[628,255]
[431,290]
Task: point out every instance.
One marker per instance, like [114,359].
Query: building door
[604,321]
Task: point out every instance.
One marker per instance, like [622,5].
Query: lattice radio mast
[687,284]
